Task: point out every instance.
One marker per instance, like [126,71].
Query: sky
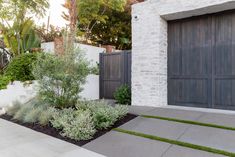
[55,12]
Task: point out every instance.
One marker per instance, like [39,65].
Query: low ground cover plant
[104,115]
[79,123]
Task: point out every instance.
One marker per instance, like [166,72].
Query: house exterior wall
[149,49]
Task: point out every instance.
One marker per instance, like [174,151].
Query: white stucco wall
[91,88]
[16,91]
[92,52]
[149,43]
[48,47]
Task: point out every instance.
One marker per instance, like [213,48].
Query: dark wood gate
[115,70]
[201,61]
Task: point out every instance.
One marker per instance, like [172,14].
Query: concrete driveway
[116,144]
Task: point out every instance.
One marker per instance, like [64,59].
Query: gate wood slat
[115,70]
[201,61]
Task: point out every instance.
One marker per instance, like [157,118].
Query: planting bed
[49,130]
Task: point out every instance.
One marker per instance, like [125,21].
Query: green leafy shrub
[4,81]
[76,125]
[123,95]
[20,68]
[61,78]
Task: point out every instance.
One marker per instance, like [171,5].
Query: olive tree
[61,78]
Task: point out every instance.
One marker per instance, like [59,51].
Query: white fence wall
[92,52]
[16,91]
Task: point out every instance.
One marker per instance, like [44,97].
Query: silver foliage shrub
[81,127]
[22,112]
[61,117]
[75,124]
[45,116]
[14,108]
[32,115]
[104,115]
[32,112]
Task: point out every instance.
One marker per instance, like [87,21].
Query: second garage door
[201,61]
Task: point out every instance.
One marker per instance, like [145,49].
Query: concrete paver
[138,110]
[156,127]
[177,151]
[175,113]
[18,141]
[119,144]
[211,137]
[219,119]
[115,144]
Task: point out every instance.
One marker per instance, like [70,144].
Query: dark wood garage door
[201,61]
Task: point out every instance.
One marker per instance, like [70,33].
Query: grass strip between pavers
[175,142]
[190,122]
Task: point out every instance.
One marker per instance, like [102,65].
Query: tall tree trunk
[73,13]
[19,43]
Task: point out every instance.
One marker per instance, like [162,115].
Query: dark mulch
[49,130]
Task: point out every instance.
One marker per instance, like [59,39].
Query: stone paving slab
[219,119]
[156,127]
[211,137]
[139,110]
[204,117]
[177,151]
[115,144]
[18,141]
[175,113]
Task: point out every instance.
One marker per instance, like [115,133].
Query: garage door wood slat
[201,61]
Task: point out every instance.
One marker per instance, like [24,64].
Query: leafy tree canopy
[115,31]
[16,24]
[99,15]
[11,9]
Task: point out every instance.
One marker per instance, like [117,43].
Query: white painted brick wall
[149,60]
[149,49]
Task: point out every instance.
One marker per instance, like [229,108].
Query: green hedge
[123,95]
[4,81]
[20,68]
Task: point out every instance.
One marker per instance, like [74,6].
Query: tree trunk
[18,42]
[73,13]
